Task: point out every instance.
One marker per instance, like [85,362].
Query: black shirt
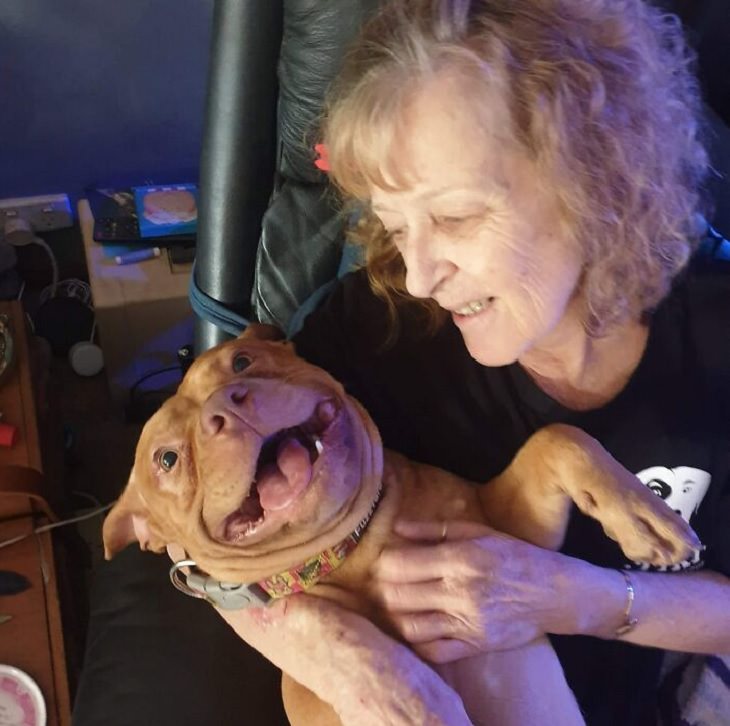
[670,425]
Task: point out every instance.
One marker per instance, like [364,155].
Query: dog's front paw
[645,527]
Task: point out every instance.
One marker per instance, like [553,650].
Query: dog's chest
[431,493]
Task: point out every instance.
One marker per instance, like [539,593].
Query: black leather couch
[267,241]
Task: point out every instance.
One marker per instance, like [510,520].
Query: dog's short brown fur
[239,394]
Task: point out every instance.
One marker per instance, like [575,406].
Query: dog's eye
[240,362]
[168,459]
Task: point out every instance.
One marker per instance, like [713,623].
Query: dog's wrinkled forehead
[240,357]
[169,423]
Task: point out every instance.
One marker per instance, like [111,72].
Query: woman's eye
[240,362]
[168,459]
[396,235]
[460,222]
[450,222]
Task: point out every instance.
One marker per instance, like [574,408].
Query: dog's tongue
[281,483]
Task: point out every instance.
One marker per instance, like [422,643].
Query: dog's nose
[218,414]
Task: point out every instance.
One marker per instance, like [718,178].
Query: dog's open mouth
[283,471]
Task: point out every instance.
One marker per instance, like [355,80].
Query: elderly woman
[527,176]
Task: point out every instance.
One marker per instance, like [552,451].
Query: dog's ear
[261,331]
[127,522]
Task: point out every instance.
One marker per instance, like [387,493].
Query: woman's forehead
[444,140]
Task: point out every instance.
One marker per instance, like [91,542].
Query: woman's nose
[426,265]
[221,412]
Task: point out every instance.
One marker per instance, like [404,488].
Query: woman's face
[478,234]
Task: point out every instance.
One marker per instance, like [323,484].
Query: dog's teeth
[318,445]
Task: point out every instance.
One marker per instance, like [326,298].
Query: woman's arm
[682,611]
[483,590]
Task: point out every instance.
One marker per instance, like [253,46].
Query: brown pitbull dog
[267,472]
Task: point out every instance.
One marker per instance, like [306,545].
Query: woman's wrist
[590,600]
[630,620]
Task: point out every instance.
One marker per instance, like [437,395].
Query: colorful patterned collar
[236,596]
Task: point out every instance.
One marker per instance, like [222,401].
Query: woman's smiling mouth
[474,307]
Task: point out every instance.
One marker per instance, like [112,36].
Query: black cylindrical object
[238,154]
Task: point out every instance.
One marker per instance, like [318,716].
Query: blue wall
[99,91]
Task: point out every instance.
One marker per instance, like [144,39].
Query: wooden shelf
[33,638]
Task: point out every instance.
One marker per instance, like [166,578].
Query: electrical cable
[86,495]
[54,264]
[70,287]
[19,233]
[147,376]
[54,525]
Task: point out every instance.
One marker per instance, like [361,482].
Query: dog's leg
[560,464]
[523,502]
[304,708]
[520,687]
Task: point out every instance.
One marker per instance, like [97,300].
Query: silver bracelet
[629,622]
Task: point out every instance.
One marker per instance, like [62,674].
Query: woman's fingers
[451,595]
[411,597]
[434,625]
[435,531]
[445,650]
[464,583]
[467,551]
[414,563]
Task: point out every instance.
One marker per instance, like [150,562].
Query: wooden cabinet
[142,311]
[33,638]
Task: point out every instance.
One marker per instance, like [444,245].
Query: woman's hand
[473,590]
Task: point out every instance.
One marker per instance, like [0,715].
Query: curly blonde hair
[602,97]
